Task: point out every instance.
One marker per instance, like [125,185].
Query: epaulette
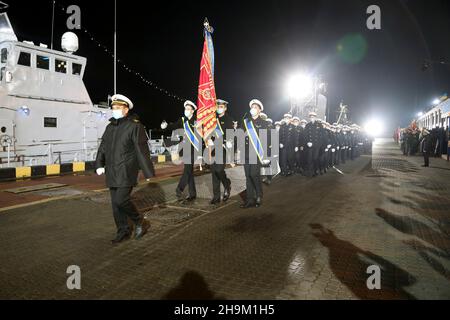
[136,120]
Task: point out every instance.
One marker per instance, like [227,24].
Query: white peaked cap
[220,101]
[121,99]
[256,101]
[190,103]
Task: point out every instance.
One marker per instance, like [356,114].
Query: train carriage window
[2,73]
[24,59]
[4,55]
[76,69]
[43,62]
[50,122]
[60,66]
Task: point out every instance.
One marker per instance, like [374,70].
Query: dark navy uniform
[218,167]
[122,152]
[313,136]
[253,171]
[187,179]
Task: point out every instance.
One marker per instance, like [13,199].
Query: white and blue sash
[191,135]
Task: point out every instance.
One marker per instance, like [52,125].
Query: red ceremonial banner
[206,113]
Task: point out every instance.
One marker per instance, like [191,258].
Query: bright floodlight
[420,114]
[300,86]
[436,101]
[374,128]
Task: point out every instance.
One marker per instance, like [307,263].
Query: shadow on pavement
[147,196]
[192,286]
[349,264]
[416,228]
[425,251]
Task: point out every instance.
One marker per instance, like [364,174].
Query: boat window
[76,69]
[4,55]
[24,59]
[2,73]
[43,62]
[60,66]
[50,122]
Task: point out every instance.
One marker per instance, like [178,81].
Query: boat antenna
[115,46]
[53,24]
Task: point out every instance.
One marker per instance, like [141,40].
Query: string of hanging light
[149,83]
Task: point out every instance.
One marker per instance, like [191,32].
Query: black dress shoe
[247,205]
[179,194]
[120,238]
[141,229]
[258,202]
[190,199]
[214,201]
[226,194]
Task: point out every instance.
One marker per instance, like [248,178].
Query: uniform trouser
[219,176]
[302,155]
[187,179]
[312,160]
[343,154]
[426,158]
[123,208]
[298,161]
[338,156]
[253,181]
[284,160]
[291,158]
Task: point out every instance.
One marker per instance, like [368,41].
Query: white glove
[100,171]
[350,149]
[309,144]
[333,150]
[210,143]
[326,150]
[329,146]
[338,148]
[164,125]
[229,145]
[281,146]
[296,149]
[266,162]
[301,148]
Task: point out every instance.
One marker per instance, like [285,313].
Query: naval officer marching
[188,125]
[122,152]
[252,126]
[224,124]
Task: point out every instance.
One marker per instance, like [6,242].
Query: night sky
[257,46]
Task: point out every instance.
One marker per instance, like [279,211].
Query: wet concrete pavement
[312,239]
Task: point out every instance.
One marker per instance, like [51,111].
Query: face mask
[313,120]
[253,112]
[303,126]
[220,111]
[187,113]
[117,114]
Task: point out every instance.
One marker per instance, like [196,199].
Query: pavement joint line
[185,225]
[186,208]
